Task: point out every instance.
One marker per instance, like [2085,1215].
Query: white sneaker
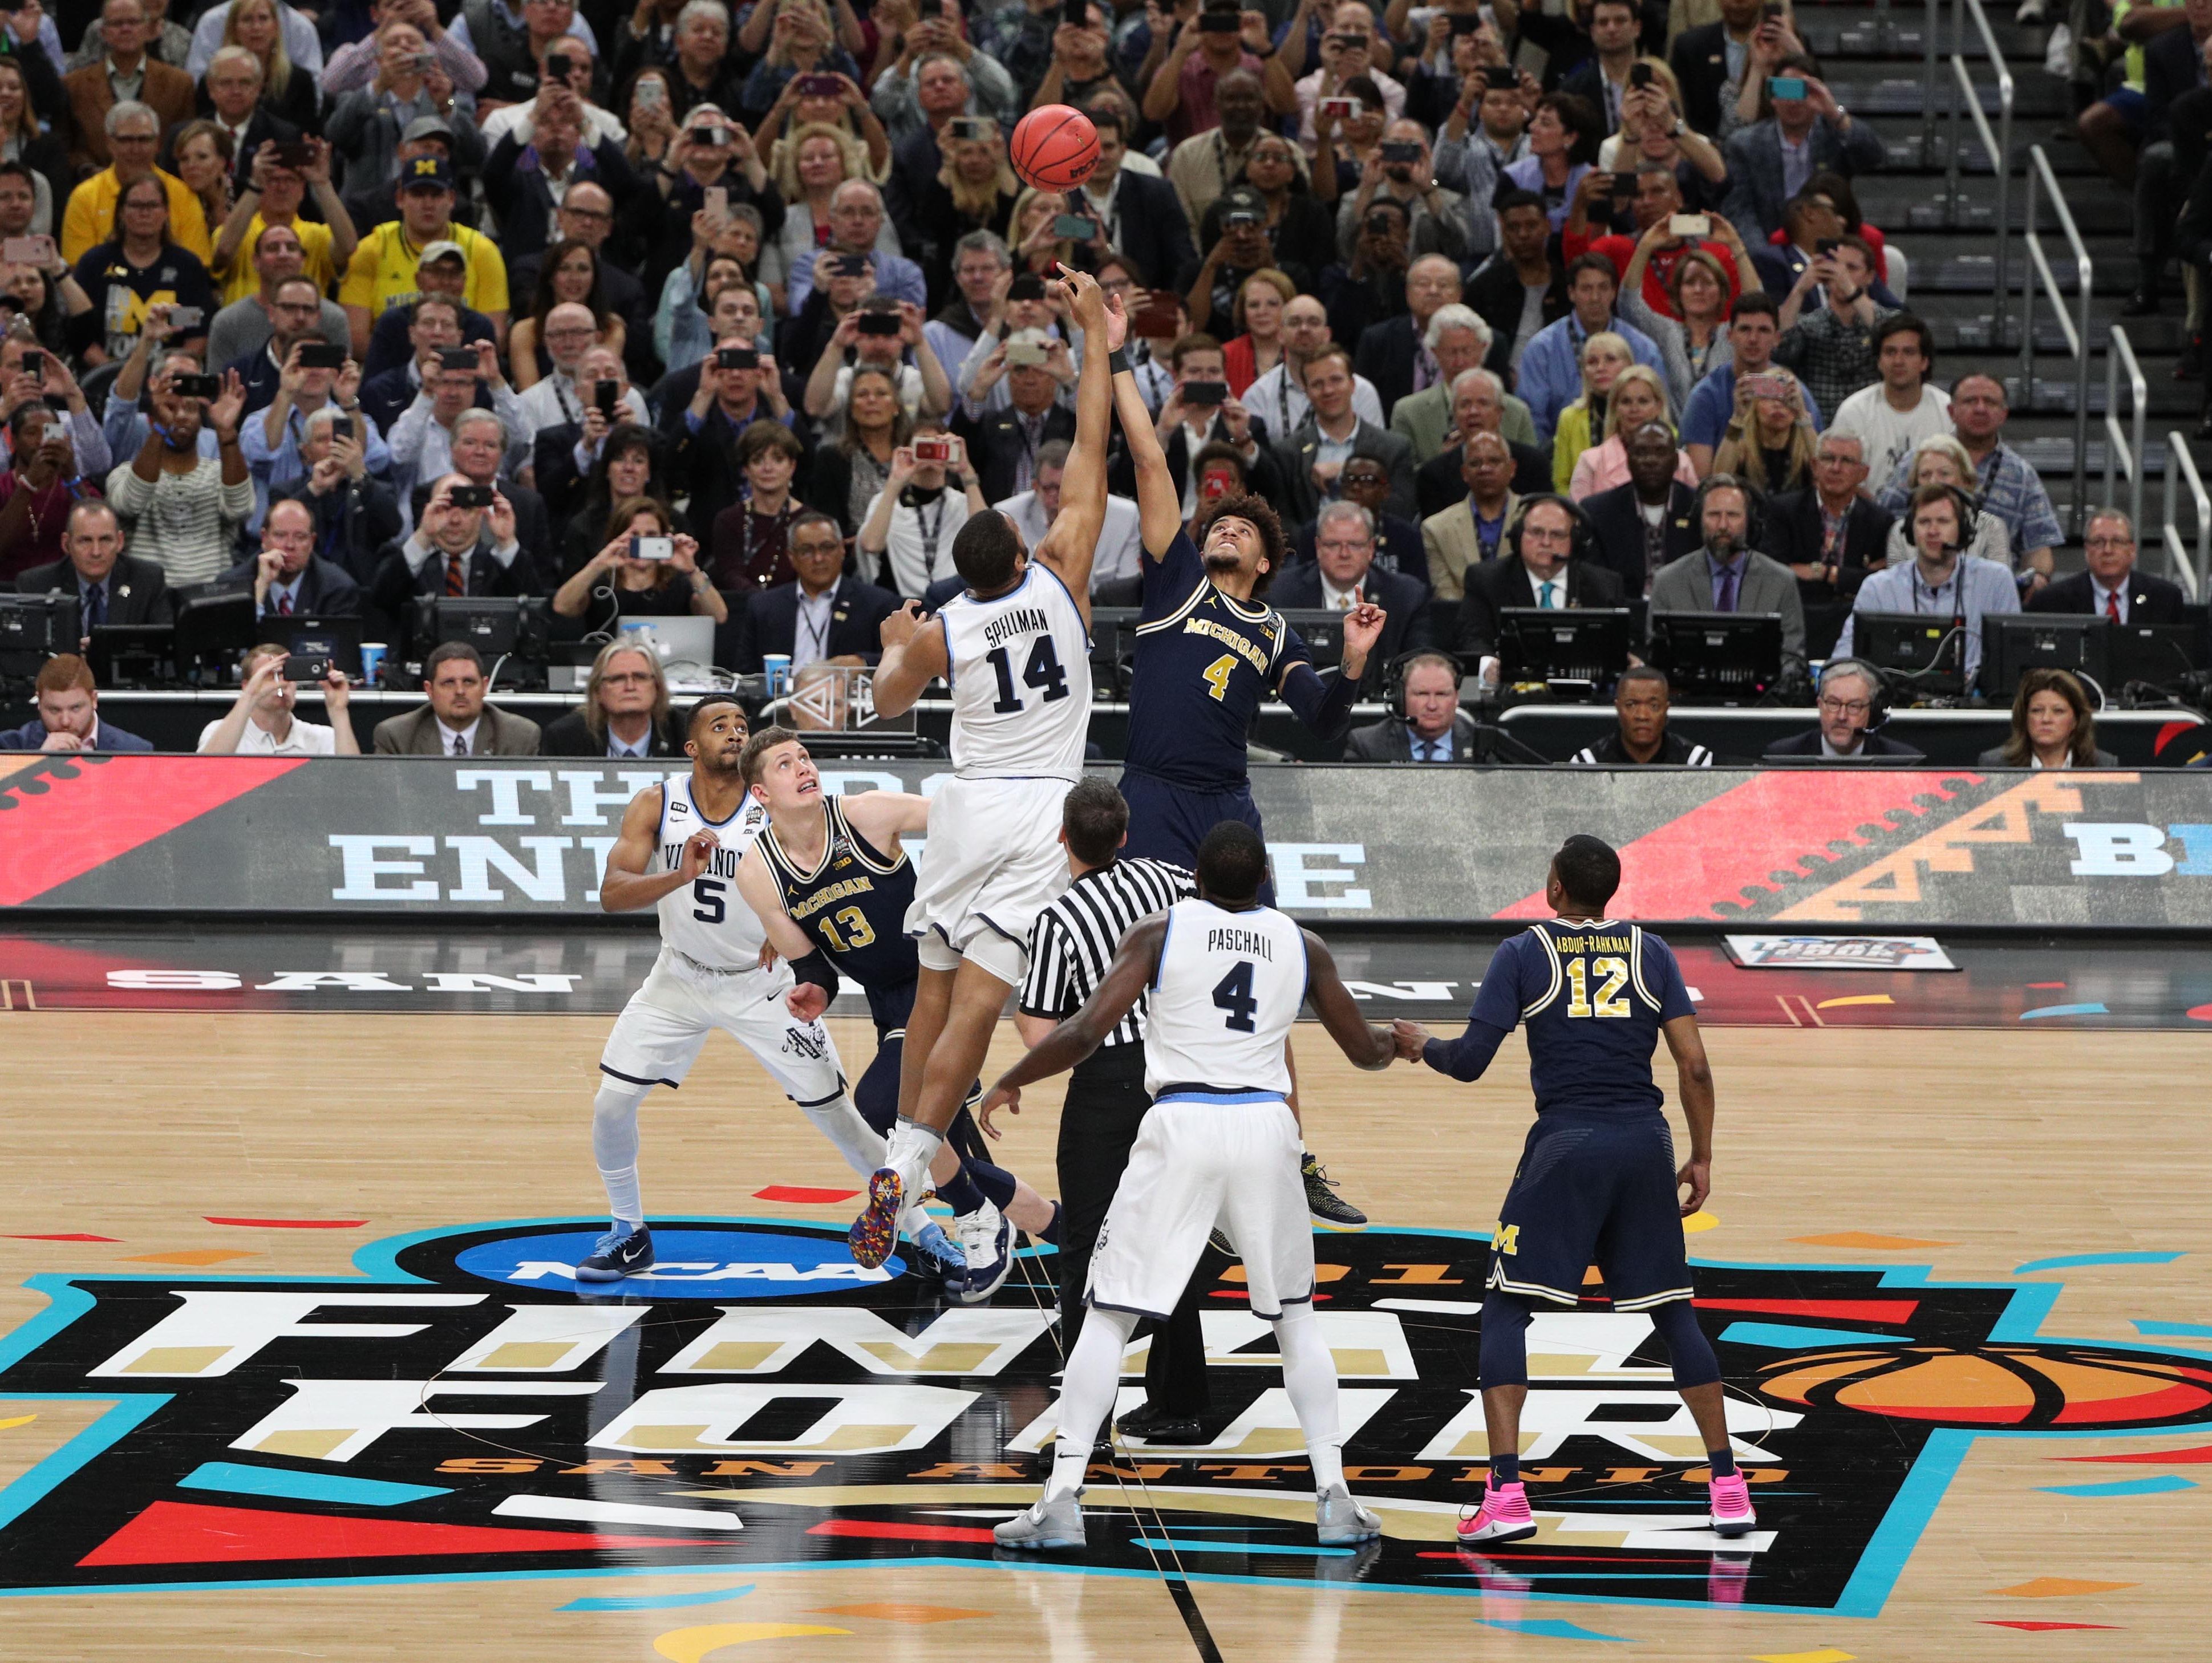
[2031,11]
[987,1239]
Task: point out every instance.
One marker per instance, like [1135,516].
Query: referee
[1071,945]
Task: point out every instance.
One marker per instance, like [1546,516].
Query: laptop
[685,645]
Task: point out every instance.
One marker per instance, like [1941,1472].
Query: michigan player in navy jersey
[1597,1183]
[831,885]
[1226,978]
[1014,648]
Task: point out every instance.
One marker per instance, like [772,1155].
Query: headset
[1878,690]
[1582,532]
[1755,506]
[1970,516]
[1395,674]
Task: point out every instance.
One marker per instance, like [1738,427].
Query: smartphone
[196,386]
[1499,78]
[711,136]
[1623,187]
[653,548]
[1381,223]
[932,450]
[1340,109]
[321,355]
[1770,13]
[294,156]
[1026,286]
[306,666]
[1206,394]
[342,428]
[1077,227]
[471,496]
[1639,74]
[737,358]
[1024,356]
[28,250]
[1349,41]
[1157,320]
[55,433]
[424,62]
[1690,225]
[1220,22]
[1238,217]
[33,362]
[557,65]
[1827,245]
[185,316]
[820,86]
[1402,150]
[448,358]
[606,397]
[879,323]
[1466,22]
[970,127]
[1785,86]
[857,266]
[652,92]
[718,201]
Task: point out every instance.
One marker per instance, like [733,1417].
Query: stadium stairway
[1875,60]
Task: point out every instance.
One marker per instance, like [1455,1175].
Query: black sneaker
[1151,1425]
[1329,1210]
[614,1257]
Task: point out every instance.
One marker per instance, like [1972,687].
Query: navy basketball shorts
[1599,1189]
[876,1093]
[1168,822]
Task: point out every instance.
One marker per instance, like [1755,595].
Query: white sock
[622,1203]
[1309,1377]
[839,1121]
[614,1148]
[912,1147]
[1086,1395]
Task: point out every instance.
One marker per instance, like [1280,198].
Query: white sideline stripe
[616,1513]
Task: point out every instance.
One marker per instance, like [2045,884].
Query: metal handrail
[1997,144]
[2125,454]
[1929,31]
[2197,578]
[2077,337]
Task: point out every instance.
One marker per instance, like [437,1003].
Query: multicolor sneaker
[940,1257]
[875,1232]
[615,1255]
[1329,1210]
[987,1241]
[1503,1516]
[1732,1513]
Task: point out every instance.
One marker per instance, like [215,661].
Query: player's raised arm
[1072,544]
[1368,1044]
[1695,1077]
[1159,500]
[625,887]
[1069,1044]
[884,817]
[914,655]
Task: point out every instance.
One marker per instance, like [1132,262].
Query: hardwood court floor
[2002,1147]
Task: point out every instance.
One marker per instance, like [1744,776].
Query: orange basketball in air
[2024,1385]
[1054,147]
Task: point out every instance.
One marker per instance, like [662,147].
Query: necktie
[1544,596]
[283,606]
[1347,600]
[460,745]
[95,607]
[1727,592]
[456,575]
[2113,605]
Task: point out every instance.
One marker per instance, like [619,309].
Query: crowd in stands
[1501,307]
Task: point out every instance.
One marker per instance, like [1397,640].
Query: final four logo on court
[758,1400]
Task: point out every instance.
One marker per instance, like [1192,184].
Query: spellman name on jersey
[1019,622]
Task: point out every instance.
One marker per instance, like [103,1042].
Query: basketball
[1997,1385]
[1054,147]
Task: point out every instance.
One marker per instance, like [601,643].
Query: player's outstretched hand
[1410,1037]
[1363,627]
[807,1001]
[901,627]
[1085,298]
[1009,1097]
[1699,1176]
[698,854]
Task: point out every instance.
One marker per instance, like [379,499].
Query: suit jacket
[1498,584]
[519,193]
[1439,483]
[1398,548]
[32,736]
[1754,165]
[1154,231]
[1794,532]
[327,589]
[569,736]
[1619,519]
[392,591]
[1388,741]
[1424,418]
[1454,549]
[1404,630]
[137,589]
[561,489]
[2150,600]
[1768,585]
[1385,356]
[352,526]
[994,444]
[1993,757]
[1495,292]
[1300,501]
[1809,744]
[169,91]
[1699,60]
[770,624]
[499,733]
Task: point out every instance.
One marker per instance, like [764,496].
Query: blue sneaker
[615,1256]
[940,1257]
[986,1242]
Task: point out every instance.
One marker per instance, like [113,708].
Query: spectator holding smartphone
[179,506]
[278,179]
[38,493]
[354,515]
[908,532]
[646,569]
[140,267]
[423,438]
[316,376]
[260,722]
[880,333]
[1801,131]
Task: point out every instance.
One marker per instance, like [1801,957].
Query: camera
[185,316]
[653,548]
[457,358]
[606,396]
[1206,394]
[932,450]
[737,358]
[1402,150]
[321,355]
[962,128]
[306,666]
[471,496]
[196,386]
[820,86]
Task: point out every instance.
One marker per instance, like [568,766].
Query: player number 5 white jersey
[1228,988]
[1021,681]
[706,920]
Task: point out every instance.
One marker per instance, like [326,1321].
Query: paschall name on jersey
[1021,622]
[844,890]
[722,863]
[1223,939]
[1229,637]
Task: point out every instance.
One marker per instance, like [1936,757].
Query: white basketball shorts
[994,862]
[1231,1160]
[658,1035]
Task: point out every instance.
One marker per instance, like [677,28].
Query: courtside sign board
[1819,952]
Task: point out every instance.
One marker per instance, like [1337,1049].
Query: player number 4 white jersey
[1228,988]
[1021,681]
[706,920]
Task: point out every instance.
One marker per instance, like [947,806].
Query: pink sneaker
[1503,1516]
[1731,1505]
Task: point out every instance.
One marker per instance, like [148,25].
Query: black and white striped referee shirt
[1073,940]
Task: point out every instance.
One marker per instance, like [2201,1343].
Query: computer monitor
[1918,650]
[2014,643]
[32,628]
[1727,656]
[133,654]
[497,626]
[1113,649]
[336,640]
[1578,651]
[1322,631]
[2160,654]
[213,629]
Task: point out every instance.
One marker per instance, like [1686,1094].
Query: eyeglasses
[571,332]
[1845,706]
[587,213]
[2110,543]
[1546,534]
[627,679]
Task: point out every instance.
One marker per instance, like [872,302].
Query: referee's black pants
[1106,1103]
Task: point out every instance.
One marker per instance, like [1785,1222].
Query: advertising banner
[1855,852]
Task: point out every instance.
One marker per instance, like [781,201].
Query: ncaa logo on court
[460,1407]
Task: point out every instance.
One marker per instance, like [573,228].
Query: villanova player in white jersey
[679,851]
[1016,649]
[1228,976]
